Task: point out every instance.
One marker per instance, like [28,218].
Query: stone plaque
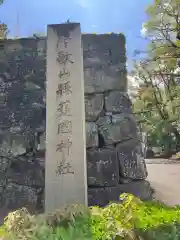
[66,177]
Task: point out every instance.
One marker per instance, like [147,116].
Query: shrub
[178,155]
[130,219]
[155,220]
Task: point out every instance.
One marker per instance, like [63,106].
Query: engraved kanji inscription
[64,72]
[64,88]
[64,145]
[58,43]
[64,167]
[64,57]
[65,42]
[64,108]
[65,127]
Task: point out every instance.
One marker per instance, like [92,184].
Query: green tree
[158,98]
[3,31]
[157,104]
[3,27]
[161,29]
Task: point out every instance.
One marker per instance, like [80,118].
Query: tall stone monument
[66,179]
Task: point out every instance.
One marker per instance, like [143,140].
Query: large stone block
[18,196]
[131,160]
[121,128]
[104,62]
[3,183]
[123,180]
[92,139]
[118,102]
[102,167]
[140,189]
[12,144]
[41,48]
[103,196]
[104,79]
[26,173]
[109,49]
[103,121]
[5,115]
[93,106]
[4,163]
[3,99]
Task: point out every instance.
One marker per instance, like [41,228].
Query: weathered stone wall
[114,157]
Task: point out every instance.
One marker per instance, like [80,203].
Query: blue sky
[100,16]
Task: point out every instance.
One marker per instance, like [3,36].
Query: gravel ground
[164,177]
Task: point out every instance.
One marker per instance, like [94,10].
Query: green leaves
[161,28]
[3,27]
[128,220]
[3,31]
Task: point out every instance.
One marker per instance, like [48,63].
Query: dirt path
[165,180]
